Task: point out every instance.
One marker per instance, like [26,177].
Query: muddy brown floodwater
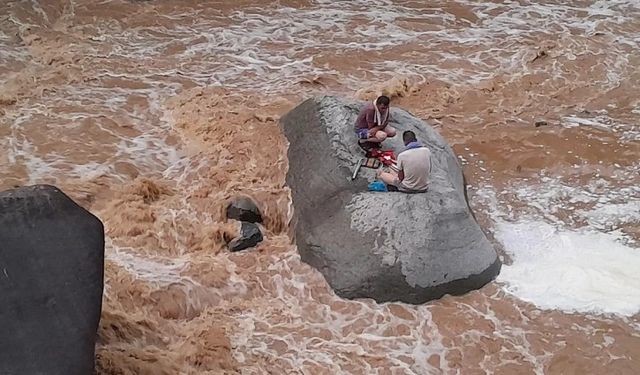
[152,114]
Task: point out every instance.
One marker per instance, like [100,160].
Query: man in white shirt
[414,166]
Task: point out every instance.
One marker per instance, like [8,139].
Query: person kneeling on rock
[372,126]
[413,165]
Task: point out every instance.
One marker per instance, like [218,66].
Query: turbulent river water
[152,114]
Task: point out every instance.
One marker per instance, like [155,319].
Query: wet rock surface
[386,246]
[244,209]
[51,282]
[250,236]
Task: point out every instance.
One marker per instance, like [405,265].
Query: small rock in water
[541,123]
[250,236]
[244,209]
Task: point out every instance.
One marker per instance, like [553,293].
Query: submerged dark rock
[250,236]
[244,209]
[540,123]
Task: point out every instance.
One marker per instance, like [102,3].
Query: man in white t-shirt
[414,166]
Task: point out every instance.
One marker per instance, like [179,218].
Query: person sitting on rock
[372,126]
[413,164]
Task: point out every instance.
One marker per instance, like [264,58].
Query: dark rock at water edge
[386,246]
[51,283]
[250,236]
[244,209]
[540,123]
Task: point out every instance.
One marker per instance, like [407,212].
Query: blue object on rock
[377,186]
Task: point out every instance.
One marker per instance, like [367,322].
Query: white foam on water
[628,132]
[20,150]
[612,203]
[611,215]
[149,151]
[291,35]
[89,170]
[592,269]
[157,271]
[574,271]
[574,121]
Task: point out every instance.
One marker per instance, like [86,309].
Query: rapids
[152,114]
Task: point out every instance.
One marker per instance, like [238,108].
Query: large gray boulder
[385,246]
[51,282]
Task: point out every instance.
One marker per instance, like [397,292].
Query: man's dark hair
[409,136]
[383,100]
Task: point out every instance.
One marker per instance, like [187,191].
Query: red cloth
[386,157]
